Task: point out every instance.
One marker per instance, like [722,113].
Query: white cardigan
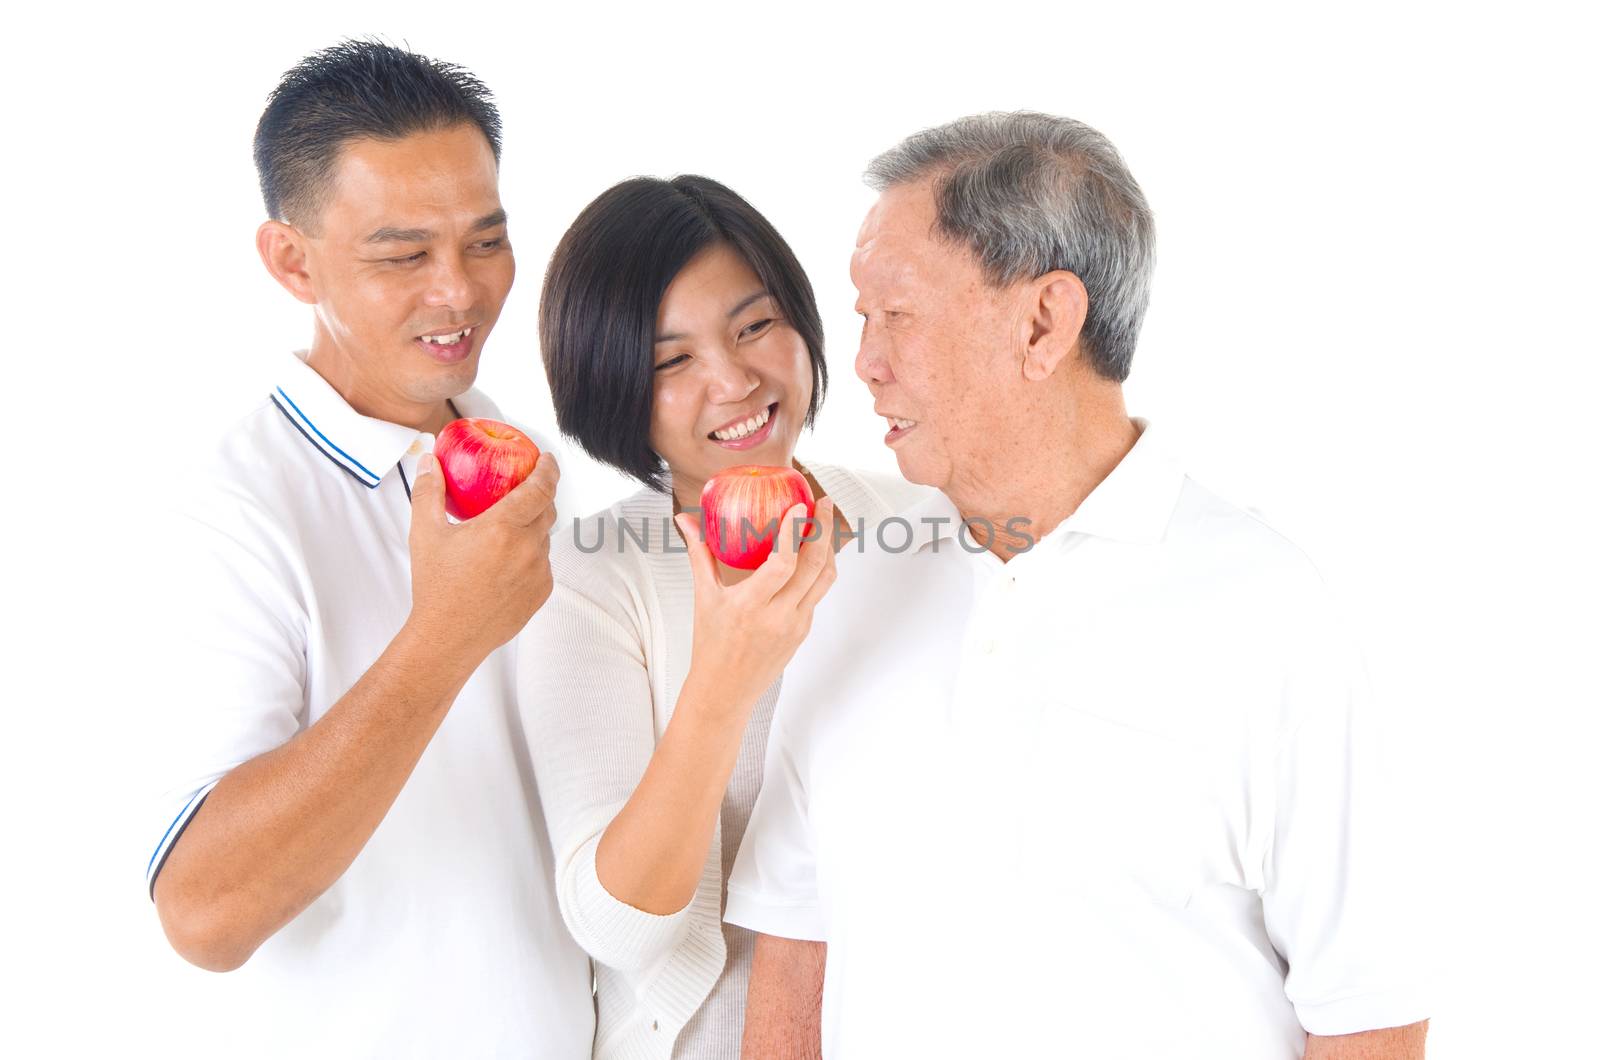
[598,674]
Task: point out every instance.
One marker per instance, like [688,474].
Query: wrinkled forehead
[899,248]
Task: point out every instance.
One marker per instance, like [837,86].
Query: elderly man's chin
[921,467]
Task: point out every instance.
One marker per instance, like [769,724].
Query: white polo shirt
[292,572]
[1119,797]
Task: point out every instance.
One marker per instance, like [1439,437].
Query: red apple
[482,460]
[742,506]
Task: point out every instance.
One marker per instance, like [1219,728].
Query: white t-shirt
[1119,797]
[443,937]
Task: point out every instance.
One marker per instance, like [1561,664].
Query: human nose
[731,380]
[449,285]
[872,366]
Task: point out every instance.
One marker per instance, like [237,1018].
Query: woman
[680,337]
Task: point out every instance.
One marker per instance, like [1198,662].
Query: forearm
[278,830]
[783,1008]
[652,853]
[1393,1043]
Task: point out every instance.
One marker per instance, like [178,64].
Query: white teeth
[749,426]
[447,340]
[900,424]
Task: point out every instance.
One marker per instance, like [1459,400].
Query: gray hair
[1030,193]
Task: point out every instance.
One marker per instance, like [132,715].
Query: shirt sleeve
[583,689]
[773,886]
[1340,889]
[230,658]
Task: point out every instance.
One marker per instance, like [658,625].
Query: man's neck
[369,398]
[441,417]
[1024,500]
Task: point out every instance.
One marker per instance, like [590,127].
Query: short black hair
[356,89]
[603,289]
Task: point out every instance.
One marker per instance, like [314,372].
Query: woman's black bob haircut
[597,315]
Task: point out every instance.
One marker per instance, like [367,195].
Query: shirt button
[989,647]
[655,1025]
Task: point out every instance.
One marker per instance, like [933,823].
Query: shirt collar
[1133,503]
[364,448]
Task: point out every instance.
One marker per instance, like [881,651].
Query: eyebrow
[744,303]
[422,235]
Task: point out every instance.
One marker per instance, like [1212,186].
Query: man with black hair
[352,820]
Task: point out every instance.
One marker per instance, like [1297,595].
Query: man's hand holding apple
[475,584]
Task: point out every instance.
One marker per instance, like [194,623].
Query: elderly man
[1079,761]
[351,819]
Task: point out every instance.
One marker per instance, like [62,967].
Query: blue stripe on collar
[332,459]
[354,467]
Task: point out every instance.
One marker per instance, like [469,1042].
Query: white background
[1373,319]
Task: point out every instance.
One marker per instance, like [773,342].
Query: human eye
[672,362]
[409,259]
[751,330]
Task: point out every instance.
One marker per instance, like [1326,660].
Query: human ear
[283,252]
[1055,308]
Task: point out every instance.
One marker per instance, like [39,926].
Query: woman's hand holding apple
[746,633]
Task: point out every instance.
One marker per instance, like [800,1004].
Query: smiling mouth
[450,339]
[448,348]
[898,428]
[746,428]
